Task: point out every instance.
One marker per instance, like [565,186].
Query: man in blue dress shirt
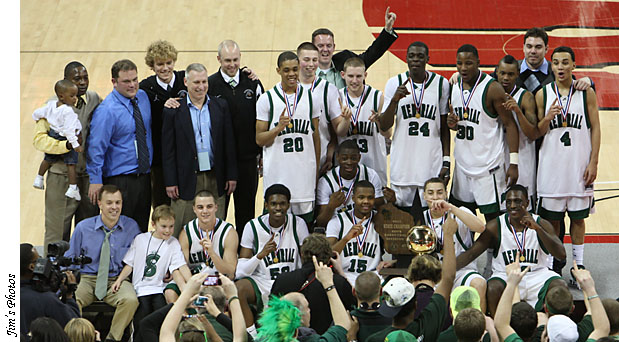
[120,149]
[106,238]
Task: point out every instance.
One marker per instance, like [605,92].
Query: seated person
[302,280]
[352,235]
[208,243]
[93,238]
[150,257]
[399,298]
[271,244]
[334,192]
[435,194]
[368,291]
[519,235]
[559,327]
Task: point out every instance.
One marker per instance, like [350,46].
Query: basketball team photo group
[195,204]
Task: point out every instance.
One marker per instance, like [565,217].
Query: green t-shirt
[426,327]
[513,338]
[449,335]
[335,333]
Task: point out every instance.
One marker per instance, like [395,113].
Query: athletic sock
[252,331]
[39,177]
[73,186]
[578,253]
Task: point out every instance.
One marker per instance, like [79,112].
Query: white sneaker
[38,183]
[73,193]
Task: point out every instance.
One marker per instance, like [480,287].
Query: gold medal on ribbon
[522,258]
[465,115]
[290,125]
[354,131]
[418,115]
[360,255]
[275,260]
[564,124]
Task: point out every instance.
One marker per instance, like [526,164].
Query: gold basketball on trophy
[421,240]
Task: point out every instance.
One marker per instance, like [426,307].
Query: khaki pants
[125,301]
[183,210]
[59,209]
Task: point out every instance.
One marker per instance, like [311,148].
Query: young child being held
[150,257]
[64,125]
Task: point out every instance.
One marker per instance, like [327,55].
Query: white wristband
[513,158]
[447,159]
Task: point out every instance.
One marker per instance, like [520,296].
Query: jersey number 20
[295,145]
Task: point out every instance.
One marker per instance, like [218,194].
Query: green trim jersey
[527,168]
[479,138]
[329,183]
[371,249]
[565,151]
[324,98]
[463,239]
[198,262]
[293,147]
[416,150]
[366,134]
[288,238]
[535,254]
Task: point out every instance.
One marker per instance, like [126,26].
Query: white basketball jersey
[535,254]
[527,168]
[416,150]
[366,133]
[324,98]
[291,159]
[462,240]
[479,138]
[288,239]
[330,183]
[199,262]
[352,263]
[565,151]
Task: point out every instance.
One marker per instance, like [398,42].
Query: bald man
[241,92]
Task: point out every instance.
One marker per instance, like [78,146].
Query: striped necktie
[140,137]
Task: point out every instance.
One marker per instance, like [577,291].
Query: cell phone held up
[200,302]
[212,280]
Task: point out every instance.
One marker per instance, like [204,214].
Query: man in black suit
[330,65]
[241,93]
[198,149]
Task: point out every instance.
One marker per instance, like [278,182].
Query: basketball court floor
[97,33]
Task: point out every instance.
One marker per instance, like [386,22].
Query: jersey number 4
[565,139]
[295,145]
[413,129]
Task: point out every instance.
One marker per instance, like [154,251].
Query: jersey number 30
[465,132]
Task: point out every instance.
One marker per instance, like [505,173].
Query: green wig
[279,321]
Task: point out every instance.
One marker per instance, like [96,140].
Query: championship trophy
[403,239]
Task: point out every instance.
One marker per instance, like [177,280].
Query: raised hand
[389,20]
[284,121]
[268,248]
[452,119]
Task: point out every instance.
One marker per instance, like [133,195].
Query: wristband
[593,297]
[513,158]
[232,298]
[446,162]
[329,288]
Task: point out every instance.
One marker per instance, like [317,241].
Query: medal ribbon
[431,222]
[296,97]
[206,256]
[465,104]
[281,235]
[360,243]
[314,85]
[341,183]
[511,93]
[355,117]
[521,245]
[423,90]
[569,100]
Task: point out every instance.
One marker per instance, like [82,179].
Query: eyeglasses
[190,331]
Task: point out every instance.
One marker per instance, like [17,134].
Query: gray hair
[226,44]
[197,67]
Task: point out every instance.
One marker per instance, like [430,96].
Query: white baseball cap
[561,328]
[397,293]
